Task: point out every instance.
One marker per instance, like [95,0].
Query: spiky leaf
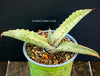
[68,24]
[76,48]
[28,36]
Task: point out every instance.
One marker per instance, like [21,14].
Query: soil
[42,56]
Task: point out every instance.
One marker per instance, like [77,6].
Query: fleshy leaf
[68,24]
[28,36]
[50,39]
[76,48]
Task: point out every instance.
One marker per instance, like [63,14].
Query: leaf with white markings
[68,24]
[28,36]
[76,48]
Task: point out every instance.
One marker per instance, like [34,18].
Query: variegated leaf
[68,24]
[28,36]
[76,48]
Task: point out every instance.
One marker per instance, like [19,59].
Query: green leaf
[76,48]
[68,24]
[50,39]
[28,36]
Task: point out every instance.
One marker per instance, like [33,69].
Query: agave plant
[53,42]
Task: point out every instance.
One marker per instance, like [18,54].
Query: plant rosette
[37,69]
[54,43]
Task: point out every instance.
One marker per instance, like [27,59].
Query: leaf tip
[49,27]
[93,8]
[1,36]
[98,57]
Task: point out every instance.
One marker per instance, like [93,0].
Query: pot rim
[25,53]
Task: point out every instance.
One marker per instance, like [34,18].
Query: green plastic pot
[37,69]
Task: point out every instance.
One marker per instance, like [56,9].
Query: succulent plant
[53,42]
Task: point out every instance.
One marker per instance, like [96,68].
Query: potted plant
[52,53]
